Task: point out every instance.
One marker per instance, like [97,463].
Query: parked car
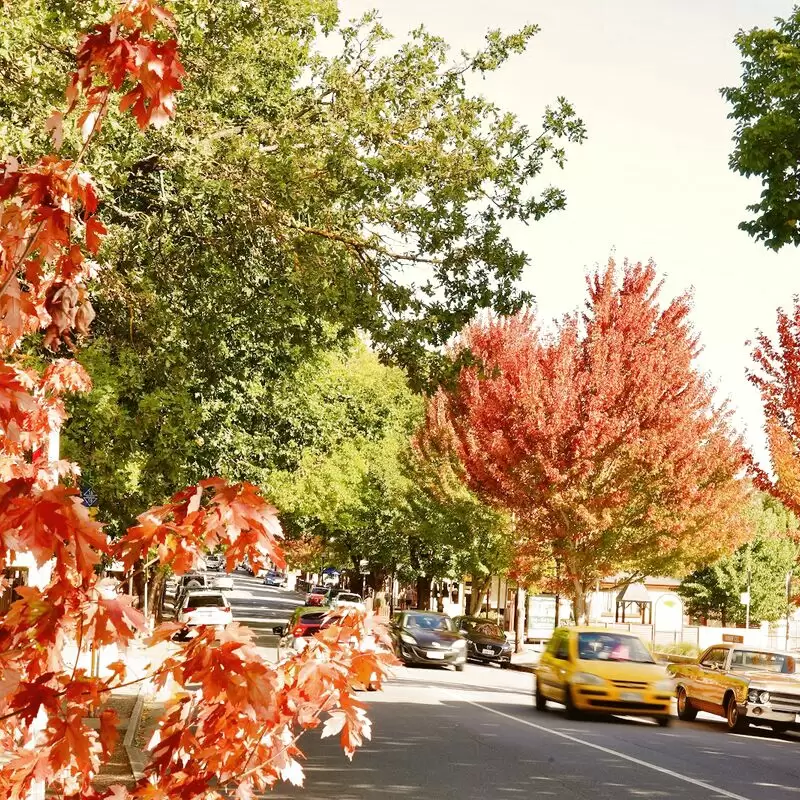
[602,671]
[348,600]
[318,596]
[746,685]
[204,607]
[214,562]
[486,641]
[274,578]
[304,622]
[191,581]
[428,637]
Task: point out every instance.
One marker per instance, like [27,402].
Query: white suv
[205,607]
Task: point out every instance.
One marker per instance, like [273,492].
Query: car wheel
[685,710]
[504,665]
[570,712]
[539,700]
[459,667]
[664,721]
[737,722]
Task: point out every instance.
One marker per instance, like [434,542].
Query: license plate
[436,656]
[630,697]
[487,651]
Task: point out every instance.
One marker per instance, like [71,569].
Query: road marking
[609,751]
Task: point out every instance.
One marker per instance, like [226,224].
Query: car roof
[204,592]
[422,611]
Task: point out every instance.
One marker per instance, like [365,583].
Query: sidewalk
[527,659]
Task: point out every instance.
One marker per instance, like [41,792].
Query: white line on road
[647,764]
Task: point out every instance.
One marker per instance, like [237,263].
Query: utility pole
[788,606]
[747,612]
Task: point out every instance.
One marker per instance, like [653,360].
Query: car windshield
[763,661]
[483,628]
[312,619]
[349,598]
[205,600]
[319,590]
[612,647]
[430,622]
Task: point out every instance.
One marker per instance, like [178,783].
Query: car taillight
[298,631]
[189,609]
[226,609]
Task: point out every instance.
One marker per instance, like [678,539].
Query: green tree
[298,197]
[766,110]
[714,592]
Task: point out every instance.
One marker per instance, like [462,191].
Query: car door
[553,672]
[710,678]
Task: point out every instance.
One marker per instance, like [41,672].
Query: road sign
[363,566]
[89,496]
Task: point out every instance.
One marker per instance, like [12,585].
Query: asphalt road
[440,734]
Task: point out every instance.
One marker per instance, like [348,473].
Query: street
[442,734]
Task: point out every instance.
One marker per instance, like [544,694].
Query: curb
[522,667]
[136,757]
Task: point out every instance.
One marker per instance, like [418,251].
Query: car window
[348,598]
[612,646]
[483,628]
[319,590]
[313,618]
[430,622]
[204,600]
[715,657]
[763,661]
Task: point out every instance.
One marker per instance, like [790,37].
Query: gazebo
[634,603]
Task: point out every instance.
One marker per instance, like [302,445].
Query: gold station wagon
[746,685]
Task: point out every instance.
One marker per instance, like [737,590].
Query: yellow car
[602,671]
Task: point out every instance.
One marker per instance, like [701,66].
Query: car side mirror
[279,630]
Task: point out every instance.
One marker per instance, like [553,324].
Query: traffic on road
[597,719]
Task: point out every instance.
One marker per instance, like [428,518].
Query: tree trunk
[157,589]
[521,627]
[424,592]
[478,591]
[579,607]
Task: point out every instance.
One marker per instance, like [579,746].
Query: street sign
[363,566]
[89,496]
[744,598]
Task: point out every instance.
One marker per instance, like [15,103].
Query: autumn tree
[320,179]
[239,731]
[765,108]
[601,439]
[776,374]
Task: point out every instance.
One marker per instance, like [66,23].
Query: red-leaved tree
[238,731]
[601,439]
[777,377]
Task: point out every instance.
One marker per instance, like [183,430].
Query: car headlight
[587,679]
[664,686]
[407,638]
[758,696]
[506,646]
[459,644]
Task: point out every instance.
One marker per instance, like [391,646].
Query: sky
[652,179]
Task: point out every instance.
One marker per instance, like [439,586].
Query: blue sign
[89,496]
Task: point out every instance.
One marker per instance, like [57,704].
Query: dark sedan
[427,637]
[486,641]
